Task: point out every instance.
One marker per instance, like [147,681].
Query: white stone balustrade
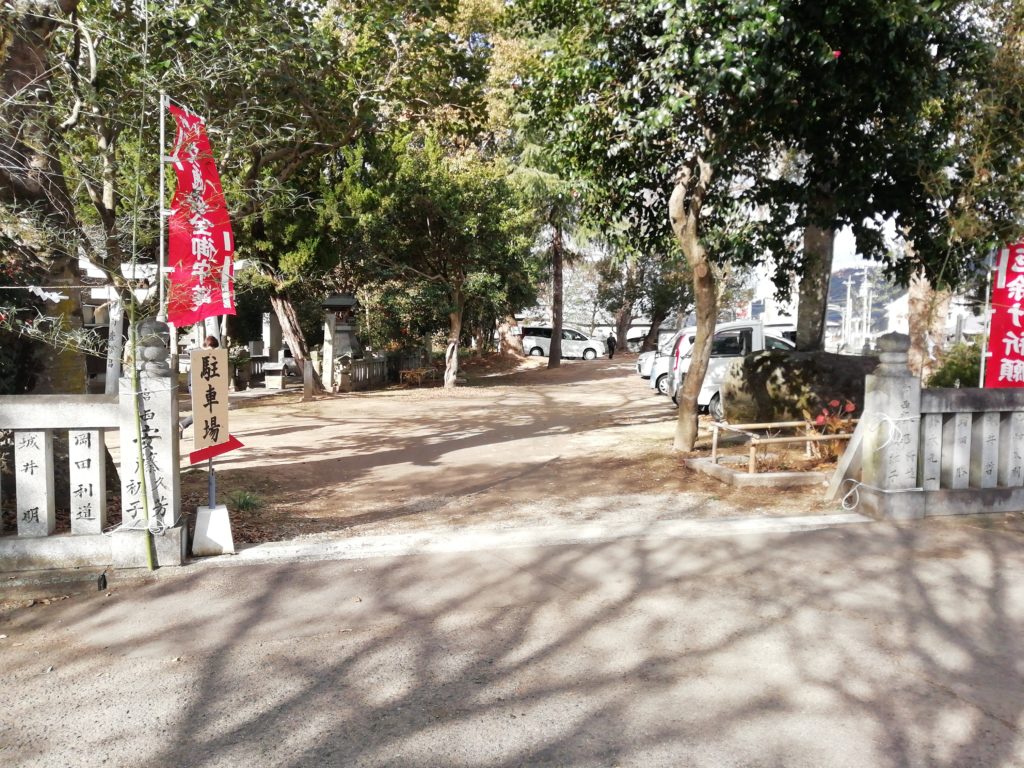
[145,413]
[938,451]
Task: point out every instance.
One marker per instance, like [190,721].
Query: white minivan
[537,341]
[731,342]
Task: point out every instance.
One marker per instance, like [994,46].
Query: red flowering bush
[835,418]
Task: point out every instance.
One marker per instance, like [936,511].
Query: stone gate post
[892,412]
[150,484]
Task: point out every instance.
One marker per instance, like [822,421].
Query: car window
[684,341]
[727,344]
[770,342]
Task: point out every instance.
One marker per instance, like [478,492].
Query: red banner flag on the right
[1004,365]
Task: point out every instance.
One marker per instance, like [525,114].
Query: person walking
[611,344]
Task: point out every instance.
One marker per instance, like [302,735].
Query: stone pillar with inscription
[33,459]
[892,416]
[330,321]
[271,335]
[150,486]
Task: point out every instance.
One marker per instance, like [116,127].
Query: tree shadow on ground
[876,646]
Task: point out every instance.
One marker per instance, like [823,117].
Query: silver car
[731,343]
[537,341]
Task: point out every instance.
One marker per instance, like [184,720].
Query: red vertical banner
[200,244]
[1004,365]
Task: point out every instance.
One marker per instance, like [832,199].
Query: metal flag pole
[990,263]
[162,307]
[211,483]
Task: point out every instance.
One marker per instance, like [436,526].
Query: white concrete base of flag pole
[213,532]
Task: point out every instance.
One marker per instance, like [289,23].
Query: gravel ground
[587,441]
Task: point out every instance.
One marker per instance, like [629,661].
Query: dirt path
[587,441]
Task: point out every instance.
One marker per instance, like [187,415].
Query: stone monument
[150,485]
[892,416]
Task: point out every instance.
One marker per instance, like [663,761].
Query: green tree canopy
[423,211]
[771,118]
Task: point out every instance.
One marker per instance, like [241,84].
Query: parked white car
[668,357]
[537,341]
[645,361]
[732,342]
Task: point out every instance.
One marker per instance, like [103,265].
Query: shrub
[959,367]
[833,418]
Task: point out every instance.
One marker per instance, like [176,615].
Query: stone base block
[172,546]
[213,532]
[891,505]
[61,551]
[128,547]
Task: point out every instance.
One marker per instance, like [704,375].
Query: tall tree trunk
[555,353]
[623,317]
[684,207]
[650,341]
[451,354]
[292,332]
[810,323]
[624,314]
[31,174]
[509,343]
[927,312]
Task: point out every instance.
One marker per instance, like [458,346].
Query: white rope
[851,500]
[895,434]
[156,527]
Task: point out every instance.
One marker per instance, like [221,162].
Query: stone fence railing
[375,371]
[925,452]
[369,373]
[145,421]
[34,419]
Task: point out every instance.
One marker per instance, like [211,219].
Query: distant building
[961,320]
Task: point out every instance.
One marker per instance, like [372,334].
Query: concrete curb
[40,584]
[742,479]
[447,541]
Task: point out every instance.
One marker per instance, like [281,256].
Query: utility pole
[865,292]
[847,315]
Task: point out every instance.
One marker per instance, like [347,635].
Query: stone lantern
[340,339]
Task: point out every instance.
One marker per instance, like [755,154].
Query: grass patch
[246,501]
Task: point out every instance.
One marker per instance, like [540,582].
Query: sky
[844,254]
